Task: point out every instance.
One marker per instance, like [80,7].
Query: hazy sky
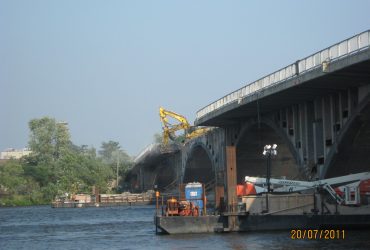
[106,67]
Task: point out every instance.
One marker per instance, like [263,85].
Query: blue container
[194,193]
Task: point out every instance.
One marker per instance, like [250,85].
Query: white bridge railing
[332,53]
[148,149]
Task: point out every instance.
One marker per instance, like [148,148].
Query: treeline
[56,166]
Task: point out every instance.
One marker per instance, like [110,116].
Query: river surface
[42,227]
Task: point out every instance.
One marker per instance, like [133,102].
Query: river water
[42,227]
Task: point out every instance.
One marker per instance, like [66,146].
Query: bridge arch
[199,166]
[253,136]
[350,152]
[165,176]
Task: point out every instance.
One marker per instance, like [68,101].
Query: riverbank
[21,201]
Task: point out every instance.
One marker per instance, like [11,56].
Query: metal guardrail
[339,50]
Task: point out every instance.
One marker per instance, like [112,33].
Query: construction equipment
[348,183]
[172,208]
[181,208]
[169,129]
[191,202]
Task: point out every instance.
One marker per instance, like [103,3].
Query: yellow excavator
[170,129]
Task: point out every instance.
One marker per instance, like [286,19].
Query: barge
[104,200]
[336,203]
[286,212]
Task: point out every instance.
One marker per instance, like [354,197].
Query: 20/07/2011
[313,234]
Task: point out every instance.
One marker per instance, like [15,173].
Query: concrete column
[319,136]
[302,140]
[305,124]
[295,133]
[332,119]
[309,121]
[344,106]
[220,170]
[324,124]
[337,115]
[354,99]
[340,110]
[349,105]
[327,113]
[289,117]
[280,119]
[315,132]
[286,113]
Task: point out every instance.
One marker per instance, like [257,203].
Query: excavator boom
[163,113]
[183,124]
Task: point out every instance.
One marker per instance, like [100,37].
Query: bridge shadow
[353,152]
[199,168]
[249,158]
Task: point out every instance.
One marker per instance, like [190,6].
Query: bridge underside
[354,152]
[249,158]
[199,167]
[165,176]
[156,168]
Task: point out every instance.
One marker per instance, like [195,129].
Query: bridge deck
[348,66]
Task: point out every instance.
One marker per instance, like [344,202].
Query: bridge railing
[335,52]
[332,53]
[145,151]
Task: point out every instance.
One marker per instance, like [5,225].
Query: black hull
[245,223]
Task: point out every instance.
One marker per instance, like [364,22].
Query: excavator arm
[183,124]
[168,128]
[163,113]
[197,132]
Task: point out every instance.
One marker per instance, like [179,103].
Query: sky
[106,67]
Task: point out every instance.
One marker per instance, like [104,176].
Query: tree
[107,152]
[11,176]
[57,166]
[119,161]
[19,189]
[112,153]
[84,149]
[48,139]
[124,162]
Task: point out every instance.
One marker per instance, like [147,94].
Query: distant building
[12,153]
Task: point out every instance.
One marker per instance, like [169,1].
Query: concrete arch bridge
[316,110]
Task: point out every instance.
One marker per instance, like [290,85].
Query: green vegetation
[57,166]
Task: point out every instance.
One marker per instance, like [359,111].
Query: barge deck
[286,212]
